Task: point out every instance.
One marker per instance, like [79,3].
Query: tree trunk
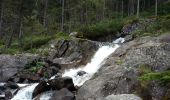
[122,8]
[45,14]
[104,8]
[1,16]
[138,7]
[9,40]
[156,7]
[62,18]
[21,33]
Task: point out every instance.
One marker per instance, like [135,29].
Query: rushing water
[91,67]
[25,93]
[89,70]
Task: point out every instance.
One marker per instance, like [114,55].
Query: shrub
[62,35]
[36,42]
[34,66]
[102,28]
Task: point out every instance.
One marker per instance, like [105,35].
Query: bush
[62,35]
[102,28]
[34,66]
[36,42]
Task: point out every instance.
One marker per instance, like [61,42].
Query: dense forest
[23,22]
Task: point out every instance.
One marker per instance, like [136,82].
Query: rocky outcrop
[121,71]
[72,53]
[12,64]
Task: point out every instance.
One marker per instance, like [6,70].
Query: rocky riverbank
[138,70]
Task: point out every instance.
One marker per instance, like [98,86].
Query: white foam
[119,40]
[46,95]
[25,93]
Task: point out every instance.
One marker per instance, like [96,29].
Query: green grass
[161,77]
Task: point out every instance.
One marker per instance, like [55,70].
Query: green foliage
[102,28]
[46,75]
[119,62]
[62,35]
[144,68]
[157,27]
[33,67]
[36,42]
[130,20]
[164,9]
[162,77]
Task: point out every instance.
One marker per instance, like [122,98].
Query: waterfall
[96,62]
[25,93]
[79,75]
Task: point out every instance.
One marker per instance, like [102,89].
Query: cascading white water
[25,93]
[91,68]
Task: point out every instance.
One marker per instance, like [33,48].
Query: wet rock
[63,94]
[2,97]
[52,70]
[81,73]
[8,95]
[60,83]
[28,77]
[40,88]
[11,85]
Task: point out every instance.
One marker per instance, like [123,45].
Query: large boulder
[62,82]
[121,71]
[12,64]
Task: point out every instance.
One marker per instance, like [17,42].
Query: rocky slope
[121,71]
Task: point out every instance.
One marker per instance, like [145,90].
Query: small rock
[81,73]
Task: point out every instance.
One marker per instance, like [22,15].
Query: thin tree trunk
[138,7]
[156,7]
[45,14]
[62,18]
[21,34]
[1,16]
[9,40]
[122,8]
[104,8]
